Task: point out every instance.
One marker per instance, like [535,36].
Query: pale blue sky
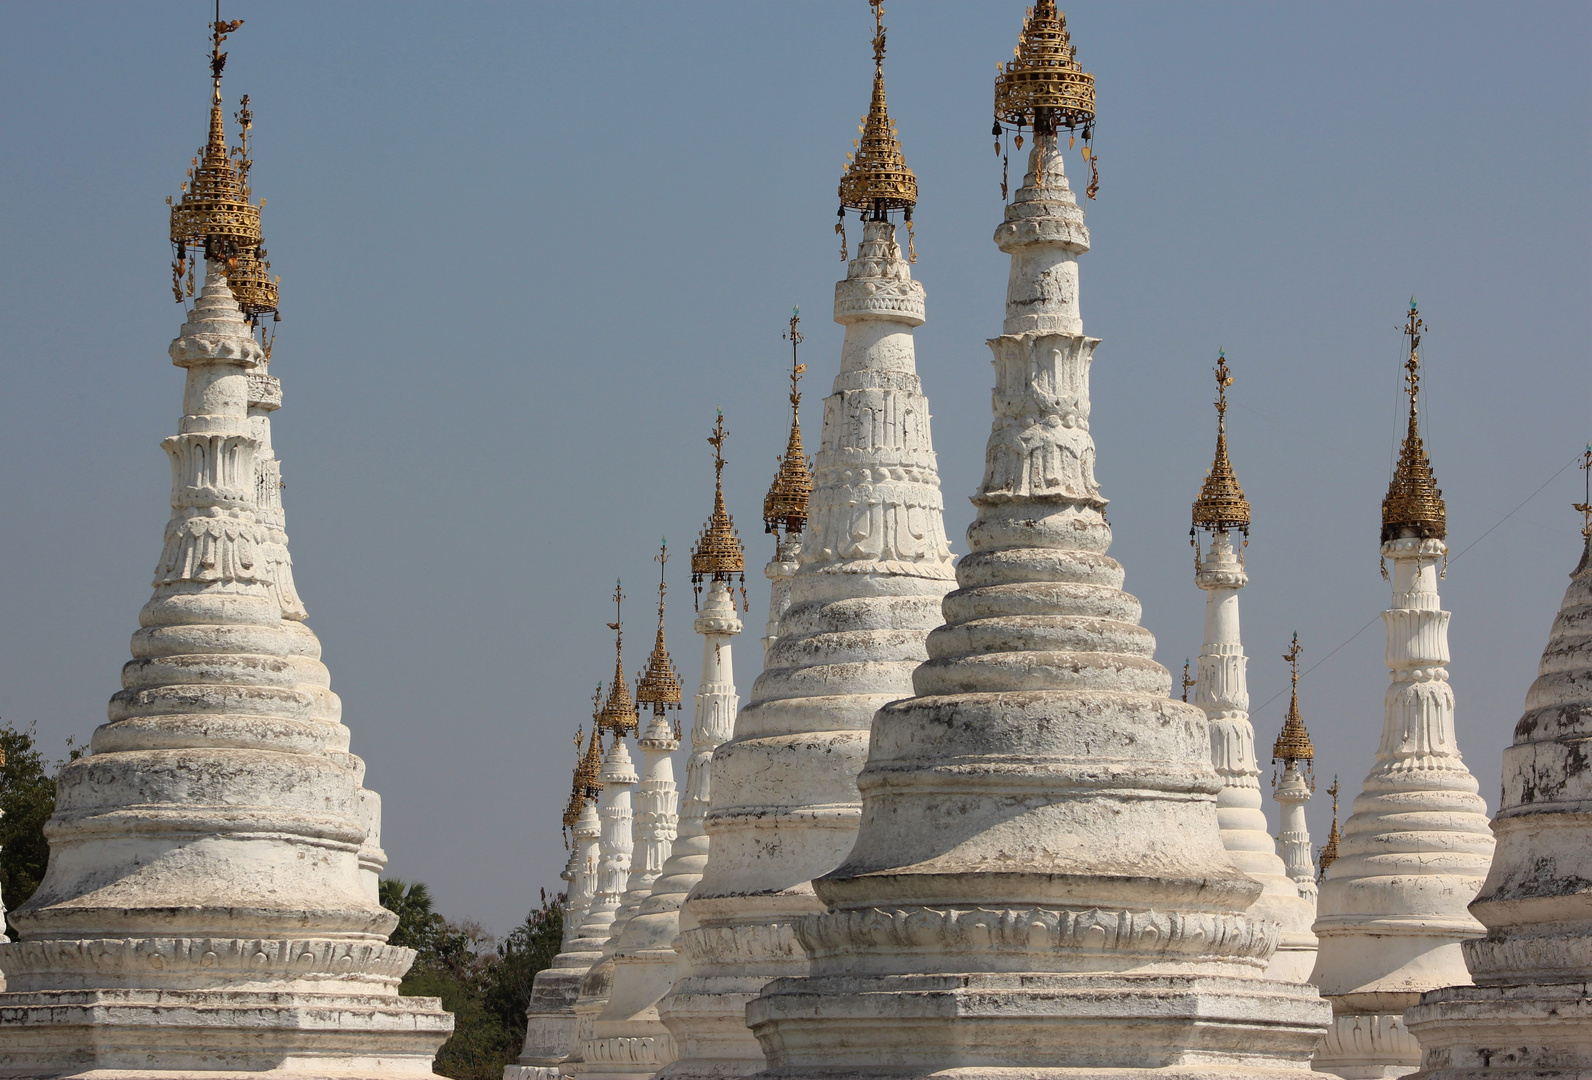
[527,249]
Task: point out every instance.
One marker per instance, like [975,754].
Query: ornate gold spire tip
[1414,502]
[718,555]
[876,180]
[785,505]
[1221,504]
[618,712]
[1188,683]
[586,785]
[1044,88]
[1329,850]
[1293,742]
[660,685]
[215,215]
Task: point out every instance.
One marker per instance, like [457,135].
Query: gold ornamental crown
[785,505]
[1043,86]
[1293,742]
[660,685]
[877,179]
[618,713]
[214,214]
[1414,501]
[1221,504]
[585,785]
[718,553]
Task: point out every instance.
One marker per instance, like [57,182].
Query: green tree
[486,985]
[27,799]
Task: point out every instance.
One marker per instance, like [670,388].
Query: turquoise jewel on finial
[1412,303]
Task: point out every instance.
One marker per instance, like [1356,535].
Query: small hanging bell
[1019,141]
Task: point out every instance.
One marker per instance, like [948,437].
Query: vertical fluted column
[1529,1013]
[1038,887]
[1415,850]
[1293,839]
[1223,693]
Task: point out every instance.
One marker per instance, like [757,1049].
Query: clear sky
[527,249]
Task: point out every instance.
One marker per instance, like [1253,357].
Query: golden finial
[1188,683]
[785,505]
[877,180]
[660,684]
[1221,505]
[214,213]
[1584,507]
[619,712]
[718,554]
[1414,502]
[586,786]
[1329,851]
[1293,742]
[1043,87]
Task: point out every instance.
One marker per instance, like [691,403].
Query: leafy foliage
[485,984]
[27,799]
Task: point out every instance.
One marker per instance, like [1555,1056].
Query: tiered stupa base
[178,1034]
[1002,1026]
[1523,1032]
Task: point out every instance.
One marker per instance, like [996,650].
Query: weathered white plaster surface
[874,563]
[616,809]
[1223,692]
[1039,887]
[1293,839]
[550,1017]
[779,570]
[618,1045]
[1392,910]
[208,905]
[629,1036]
[1529,1013]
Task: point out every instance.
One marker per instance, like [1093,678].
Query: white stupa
[615,848]
[874,563]
[1415,850]
[1296,755]
[1039,886]
[1223,692]
[550,1016]
[209,904]
[1529,1013]
[626,1037]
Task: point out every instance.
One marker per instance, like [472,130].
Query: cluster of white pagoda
[961,827]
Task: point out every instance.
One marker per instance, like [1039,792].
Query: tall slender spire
[1414,502]
[1223,693]
[1415,849]
[785,505]
[619,711]
[877,182]
[1585,506]
[1221,503]
[718,555]
[1329,850]
[1293,741]
[1293,789]
[660,685]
